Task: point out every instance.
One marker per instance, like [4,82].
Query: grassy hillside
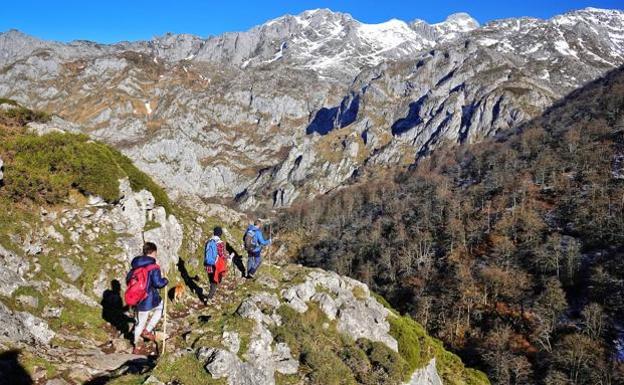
[509,250]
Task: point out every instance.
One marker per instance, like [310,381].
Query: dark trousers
[254,259]
[213,284]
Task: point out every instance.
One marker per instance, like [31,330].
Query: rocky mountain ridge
[268,116]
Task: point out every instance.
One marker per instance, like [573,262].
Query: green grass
[81,320]
[44,169]
[31,362]
[185,370]
[8,101]
[128,379]
[417,348]
[32,292]
[283,379]
[332,358]
[382,301]
[139,180]
[19,115]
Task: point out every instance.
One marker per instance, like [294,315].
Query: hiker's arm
[158,280]
[261,240]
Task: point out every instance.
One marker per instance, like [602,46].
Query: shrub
[20,116]
[45,168]
[330,357]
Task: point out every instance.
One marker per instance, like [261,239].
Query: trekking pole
[271,244]
[165,321]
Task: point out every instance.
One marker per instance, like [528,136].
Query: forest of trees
[510,251]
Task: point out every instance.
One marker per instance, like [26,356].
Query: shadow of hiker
[114,311]
[237,260]
[11,370]
[136,366]
[189,281]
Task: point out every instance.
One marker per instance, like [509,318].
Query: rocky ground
[64,321]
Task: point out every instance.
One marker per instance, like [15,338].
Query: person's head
[218,231]
[150,249]
[257,223]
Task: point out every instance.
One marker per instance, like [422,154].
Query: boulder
[57,381]
[152,380]
[297,305]
[109,362]
[96,201]
[27,300]
[225,364]
[327,304]
[284,361]
[12,270]
[426,376]
[51,312]
[249,309]
[361,319]
[231,341]
[23,327]
[268,282]
[70,268]
[54,234]
[168,237]
[71,292]
[297,296]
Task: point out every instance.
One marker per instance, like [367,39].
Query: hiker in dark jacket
[254,252]
[151,308]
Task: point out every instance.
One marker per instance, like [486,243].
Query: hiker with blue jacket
[150,308]
[254,242]
[215,261]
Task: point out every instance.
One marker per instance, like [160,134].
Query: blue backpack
[210,252]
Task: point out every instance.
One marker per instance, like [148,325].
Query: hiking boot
[148,335]
[250,276]
[138,351]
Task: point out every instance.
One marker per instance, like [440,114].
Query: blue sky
[113,20]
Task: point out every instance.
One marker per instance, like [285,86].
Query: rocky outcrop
[135,211]
[23,327]
[426,376]
[342,299]
[12,270]
[348,301]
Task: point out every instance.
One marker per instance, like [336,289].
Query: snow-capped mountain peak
[458,22]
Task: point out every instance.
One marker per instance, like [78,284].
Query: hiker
[254,242]
[143,281]
[215,261]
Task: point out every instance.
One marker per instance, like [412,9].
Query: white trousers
[153,315]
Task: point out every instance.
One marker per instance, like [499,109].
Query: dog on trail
[178,292]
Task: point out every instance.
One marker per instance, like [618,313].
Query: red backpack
[136,291]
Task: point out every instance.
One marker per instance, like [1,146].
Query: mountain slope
[508,250]
[268,116]
[74,212]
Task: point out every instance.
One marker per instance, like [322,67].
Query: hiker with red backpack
[254,242]
[215,261]
[144,282]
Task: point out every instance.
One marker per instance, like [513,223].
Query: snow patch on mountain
[388,35]
[563,48]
